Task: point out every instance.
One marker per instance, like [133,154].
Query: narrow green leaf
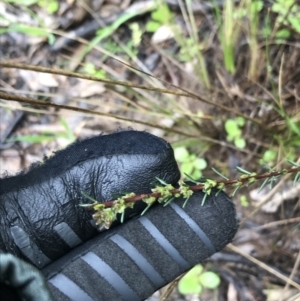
[122,217]
[265,182]
[293,163]
[85,205]
[218,173]
[88,197]
[190,178]
[146,209]
[243,171]
[218,192]
[235,190]
[169,201]
[204,199]
[23,2]
[297,178]
[271,181]
[185,202]
[161,181]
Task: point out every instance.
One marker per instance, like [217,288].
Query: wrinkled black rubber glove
[40,216]
[41,221]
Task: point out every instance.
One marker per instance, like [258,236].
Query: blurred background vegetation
[220,80]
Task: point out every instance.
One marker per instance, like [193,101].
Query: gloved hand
[42,223]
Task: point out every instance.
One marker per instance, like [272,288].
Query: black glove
[20,280]
[41,221]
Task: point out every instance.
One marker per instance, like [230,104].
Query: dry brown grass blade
[263,266]
[127,84]
[283,222]
[170,289]
[32,101]
[293,273]
[88,77]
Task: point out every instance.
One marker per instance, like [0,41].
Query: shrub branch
[106,212]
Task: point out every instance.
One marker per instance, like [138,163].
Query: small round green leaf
[283,33]
[200,163]
[187,167]
[52,7]
[192,157]
[189,285]
[244,201]
[240,121]
[195,271]
[231,127]
[196,174]
[269,155]
[209,280]
[181,154]
[240,142]
[162,14]
[152,26]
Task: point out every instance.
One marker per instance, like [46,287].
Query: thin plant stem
[243,180]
